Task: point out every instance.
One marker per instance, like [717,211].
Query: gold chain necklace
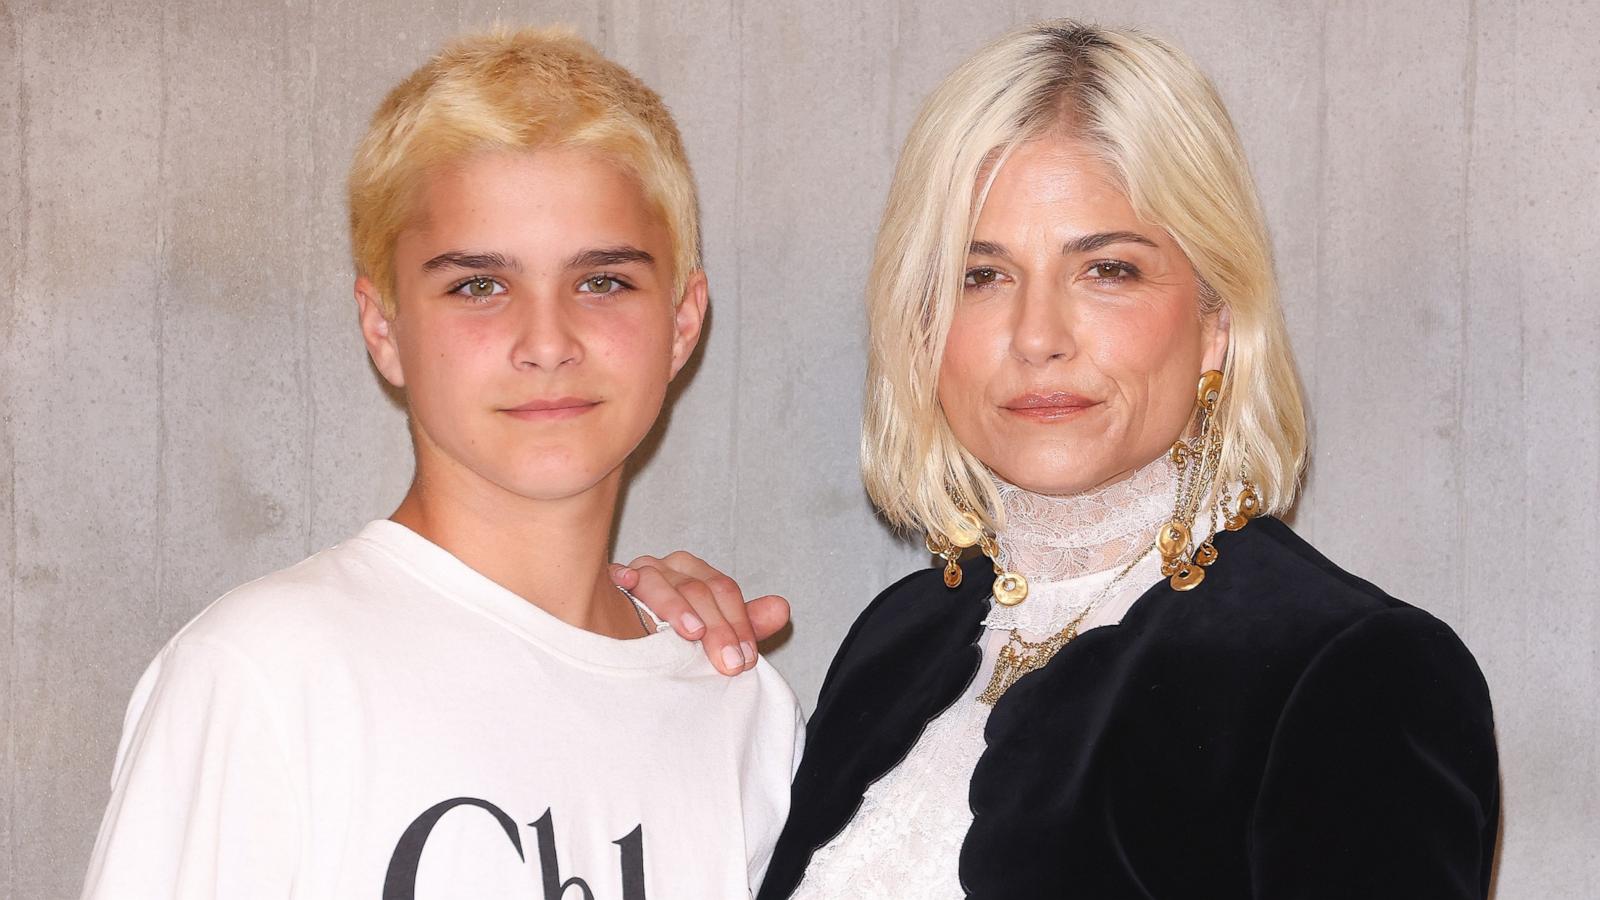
[1020,656]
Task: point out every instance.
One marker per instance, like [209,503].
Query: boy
[457,702]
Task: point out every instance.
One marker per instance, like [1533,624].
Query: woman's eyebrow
[1089,243]
[609,256]
[467,259]
[988,248]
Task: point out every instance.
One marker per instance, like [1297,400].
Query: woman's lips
[551,410]
[1048,407]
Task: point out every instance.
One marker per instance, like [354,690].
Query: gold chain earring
[1010,588]
[1196,462]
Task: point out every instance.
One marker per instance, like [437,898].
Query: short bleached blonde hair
[1158,124]
[525,89]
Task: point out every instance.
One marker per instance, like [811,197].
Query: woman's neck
[1050,537]
[552,553]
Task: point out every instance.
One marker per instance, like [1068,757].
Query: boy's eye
[601,284]
[982,276]
[481,287]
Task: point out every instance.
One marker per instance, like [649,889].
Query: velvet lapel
[908,657]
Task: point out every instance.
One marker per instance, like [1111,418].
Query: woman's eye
[601,284]
[1111,270]
[480,288]
[982,276]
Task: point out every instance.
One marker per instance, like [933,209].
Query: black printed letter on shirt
[401,881]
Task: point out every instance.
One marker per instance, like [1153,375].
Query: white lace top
[905,840]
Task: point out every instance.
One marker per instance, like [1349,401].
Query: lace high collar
[1047,537]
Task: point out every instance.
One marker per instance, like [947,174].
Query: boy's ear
[376,330]
[688,319]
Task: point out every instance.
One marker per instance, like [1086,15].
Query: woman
[1146,685]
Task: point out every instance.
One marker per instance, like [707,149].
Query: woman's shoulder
[1270,591]
[1271,569]
[922,597]
[916,617]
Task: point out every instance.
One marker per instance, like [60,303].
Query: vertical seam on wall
[158,319]
[738,291]
[1469,104]
[894,88]
[17,280]
[1512,23]
[308,403]
[1319,242]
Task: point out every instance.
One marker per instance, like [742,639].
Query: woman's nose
[1041,326]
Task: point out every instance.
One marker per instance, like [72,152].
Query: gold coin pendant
[1010,589]
[1188,578]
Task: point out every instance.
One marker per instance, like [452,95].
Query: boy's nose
[546,338]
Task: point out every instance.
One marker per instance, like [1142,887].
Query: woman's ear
[688,319]
[1218,327]
[378,332]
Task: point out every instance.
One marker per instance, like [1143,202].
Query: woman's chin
[1051,476]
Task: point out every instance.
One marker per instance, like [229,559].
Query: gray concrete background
[186,404]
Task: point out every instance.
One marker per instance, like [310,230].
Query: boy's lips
[1042,407]
[547,410]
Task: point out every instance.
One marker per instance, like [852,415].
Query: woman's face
[1076,345]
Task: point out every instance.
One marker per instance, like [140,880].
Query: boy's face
[535,331]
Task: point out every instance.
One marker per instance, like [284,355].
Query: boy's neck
[552,553]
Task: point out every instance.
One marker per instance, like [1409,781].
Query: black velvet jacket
[1285,730]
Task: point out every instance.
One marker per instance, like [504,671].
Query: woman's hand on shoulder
[703,604]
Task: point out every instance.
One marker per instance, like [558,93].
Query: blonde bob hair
[1159,125]
[525,89]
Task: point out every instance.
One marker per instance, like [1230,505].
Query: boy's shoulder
[332,593]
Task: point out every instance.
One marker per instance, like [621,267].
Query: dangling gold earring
[949,549]
[1196,462]
[1010,588]
[1249,504]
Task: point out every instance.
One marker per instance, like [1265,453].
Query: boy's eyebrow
[609,256]
[464,259]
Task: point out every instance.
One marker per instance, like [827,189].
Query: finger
[721,641]
[686,563]
[768,615]
[730,601]
[624,577]
[667,603]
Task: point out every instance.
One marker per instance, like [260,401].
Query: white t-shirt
[381,720]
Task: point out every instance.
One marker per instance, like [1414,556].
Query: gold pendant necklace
[1019,656]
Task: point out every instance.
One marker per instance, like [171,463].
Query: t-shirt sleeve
[201,801]
[1382,777]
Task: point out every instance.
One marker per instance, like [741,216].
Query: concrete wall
[186,404]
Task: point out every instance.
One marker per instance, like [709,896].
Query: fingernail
[749,652]
[691,622]
[730,658]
